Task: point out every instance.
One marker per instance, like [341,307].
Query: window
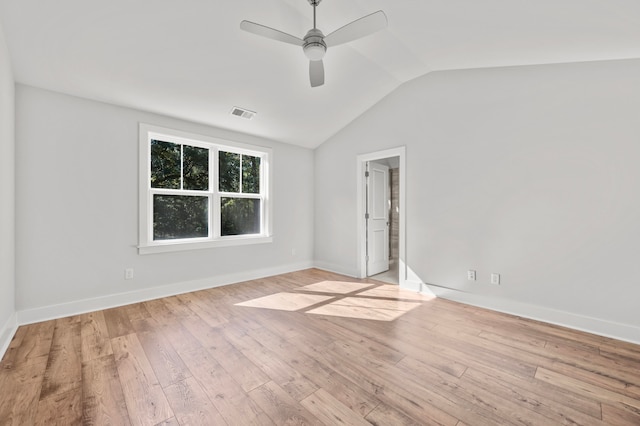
[199,192]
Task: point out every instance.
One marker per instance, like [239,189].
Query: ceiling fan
[315,43]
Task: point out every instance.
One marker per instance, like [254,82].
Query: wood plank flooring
[312,347]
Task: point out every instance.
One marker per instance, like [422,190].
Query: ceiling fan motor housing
[314,46]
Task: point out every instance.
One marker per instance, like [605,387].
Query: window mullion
[240,195]
[192,193]
[181,166]
[240,177]
[215,190]
[264,165]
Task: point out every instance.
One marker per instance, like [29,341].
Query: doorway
[381,213]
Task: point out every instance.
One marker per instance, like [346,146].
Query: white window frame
[146,244]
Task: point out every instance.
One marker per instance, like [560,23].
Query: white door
[378,219]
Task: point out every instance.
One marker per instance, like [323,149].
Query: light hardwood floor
[313,347]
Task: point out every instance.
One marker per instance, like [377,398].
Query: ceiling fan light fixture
[314,51]
[314,46]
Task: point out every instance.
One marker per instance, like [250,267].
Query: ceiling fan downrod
[314,3]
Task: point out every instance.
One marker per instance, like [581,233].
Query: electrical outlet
[495,278]
[128,274]
[471,275]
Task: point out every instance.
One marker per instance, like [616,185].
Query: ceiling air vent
[242,113]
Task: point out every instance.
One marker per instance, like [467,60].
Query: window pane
[229,173]
[239,216]
[180,216]
[165,165]
[250,174]
[195,168]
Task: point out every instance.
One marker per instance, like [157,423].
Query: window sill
[172,246]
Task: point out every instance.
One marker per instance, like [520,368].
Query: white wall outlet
[495,278]
[294,252]
[128,274]
[471,275]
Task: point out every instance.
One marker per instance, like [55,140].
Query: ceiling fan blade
[316,73]
[271,33]
[359,28]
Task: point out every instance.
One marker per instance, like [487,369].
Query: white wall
[530,172]
[77,216]
[7,198]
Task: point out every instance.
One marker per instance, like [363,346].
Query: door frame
[361,208]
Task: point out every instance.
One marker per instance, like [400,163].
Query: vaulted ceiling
[189,59]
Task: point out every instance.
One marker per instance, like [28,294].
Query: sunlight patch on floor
[395,292]
[338,287]
[286,301]
[365,308]
[344,299]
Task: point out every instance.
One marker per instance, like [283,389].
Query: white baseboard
[598,326]
[592,325]
[45,313]
[7,332]
[336,269]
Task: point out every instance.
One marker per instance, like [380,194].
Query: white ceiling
[189,59]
